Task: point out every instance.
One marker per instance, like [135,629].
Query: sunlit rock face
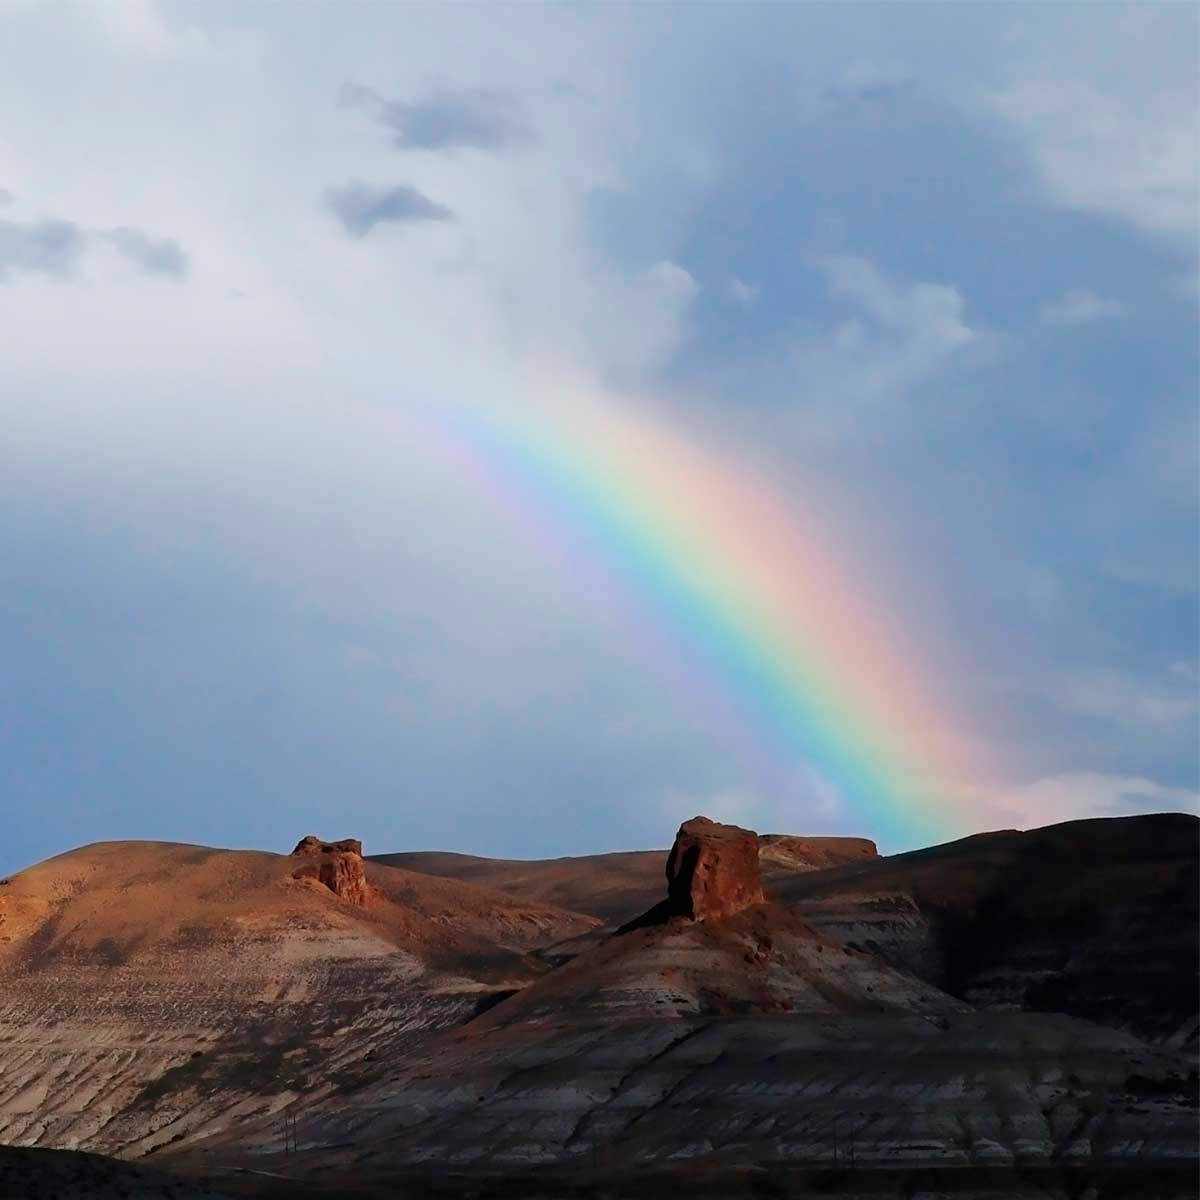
[712,871]
[338,865]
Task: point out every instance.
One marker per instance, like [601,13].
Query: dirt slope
[151,989]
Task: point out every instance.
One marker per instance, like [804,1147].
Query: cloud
[447,119]
[361,207]
[1124,700]
[56,248]
[863,81]
[1078,306]
[155,256]
[928,315]
[48,247]
[1128,156]
[743,293]
[671,281]
[890,337]
[1075,795]
[6,197]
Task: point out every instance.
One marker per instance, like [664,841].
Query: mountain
[1008,1015]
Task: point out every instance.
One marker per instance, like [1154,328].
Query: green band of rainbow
[746,597]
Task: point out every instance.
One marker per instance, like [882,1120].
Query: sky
[920,280]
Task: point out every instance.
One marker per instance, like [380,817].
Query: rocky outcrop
[785,854]
[712,870]
[313,845]
[338,865]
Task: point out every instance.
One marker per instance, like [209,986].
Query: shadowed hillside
[1095,918]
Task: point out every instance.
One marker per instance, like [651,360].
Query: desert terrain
[1013,1014]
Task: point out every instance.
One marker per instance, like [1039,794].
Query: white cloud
[1078,306]
[1130,155]
[743,293]
[672,282]
[1074,795]
[929,316]
[137,26]
[895,336]
[1108,695]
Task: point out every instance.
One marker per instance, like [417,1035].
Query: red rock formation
[314,845]
[712,870]
[785,853]
[338,865]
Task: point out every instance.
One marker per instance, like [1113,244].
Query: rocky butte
[338,865]
[712,870]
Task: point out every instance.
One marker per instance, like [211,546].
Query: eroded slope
[155,990]
[1095,918]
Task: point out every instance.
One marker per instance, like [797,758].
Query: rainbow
[753,611]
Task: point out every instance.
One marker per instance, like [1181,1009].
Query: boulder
[337,865]
[712,870]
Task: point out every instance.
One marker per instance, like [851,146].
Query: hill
[153,989]
[1093,918]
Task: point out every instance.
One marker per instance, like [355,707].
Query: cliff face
[712,870]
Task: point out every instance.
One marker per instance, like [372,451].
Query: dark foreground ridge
[1010,1015]
[70,1175]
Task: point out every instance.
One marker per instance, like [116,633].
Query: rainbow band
[746,596]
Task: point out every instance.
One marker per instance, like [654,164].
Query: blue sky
[935,264]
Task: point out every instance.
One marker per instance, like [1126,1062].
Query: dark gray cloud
[447,119]
[361,207]
[47,247]
[155,256]
[55,247]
